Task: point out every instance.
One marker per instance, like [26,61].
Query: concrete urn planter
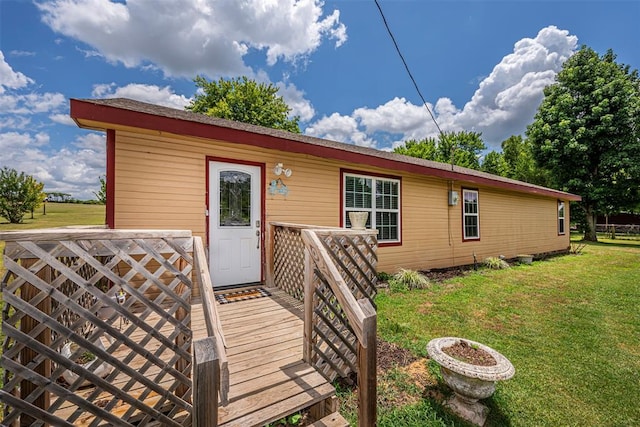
[358,220]
[469,382]
[525,259]
[102,369]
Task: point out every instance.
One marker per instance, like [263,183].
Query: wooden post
[307,346]
[269,254]
[182,338]
[206,381]
[27,324]
[367,380]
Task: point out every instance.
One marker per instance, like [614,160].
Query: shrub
[410,279]
[496,263]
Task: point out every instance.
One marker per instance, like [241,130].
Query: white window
[380,197]
[561,217]
[471,215]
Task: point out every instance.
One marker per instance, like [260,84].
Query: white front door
[234,223]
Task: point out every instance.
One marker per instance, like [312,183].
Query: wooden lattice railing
[334,272]
[124,299]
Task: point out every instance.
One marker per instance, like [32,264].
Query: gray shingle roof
[394,160]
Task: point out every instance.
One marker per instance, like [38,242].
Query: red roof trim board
[126,112]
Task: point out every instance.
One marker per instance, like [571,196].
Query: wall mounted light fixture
[279,169]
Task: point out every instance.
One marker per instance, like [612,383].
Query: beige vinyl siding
[161,183]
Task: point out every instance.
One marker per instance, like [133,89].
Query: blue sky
[481,65]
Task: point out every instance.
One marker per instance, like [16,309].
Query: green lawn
[58,215]
[570,325]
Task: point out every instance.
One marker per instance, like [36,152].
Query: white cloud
[192,37]
[74,169]
[503,105]
[10,79]
[63,119]
[340,128]
[146,93]
[294,97]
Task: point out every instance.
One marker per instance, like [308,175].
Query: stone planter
[358,220]
[469,382]
[525,259]
[102,370]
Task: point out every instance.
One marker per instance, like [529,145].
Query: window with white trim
[380,197]
[561,223]
[470,215]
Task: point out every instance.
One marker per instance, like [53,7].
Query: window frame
[466,238]
[374,177]
[562,230]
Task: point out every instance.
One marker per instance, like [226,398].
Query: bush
[19,194]
[496,263]
[409,279]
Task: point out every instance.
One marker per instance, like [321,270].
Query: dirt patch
[390,355]
[440,275]
[469,353]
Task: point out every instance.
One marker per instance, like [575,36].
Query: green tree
[243,100]
[587,133]
[521,165]
[19,194]
[459,148]
[494,163]
[101,194]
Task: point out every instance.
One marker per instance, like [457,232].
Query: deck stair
[332,420]
[267,378]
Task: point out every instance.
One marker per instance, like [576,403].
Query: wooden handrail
[212,320]
[360,314]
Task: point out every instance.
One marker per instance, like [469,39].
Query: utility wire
[384,19]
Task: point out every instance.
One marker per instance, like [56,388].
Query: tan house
[228,181]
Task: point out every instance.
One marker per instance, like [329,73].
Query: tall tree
[243,100]
[521,164]
[495,163]
[587,133]
[19,194]
[460,148]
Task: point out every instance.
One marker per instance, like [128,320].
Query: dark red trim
[82,110]
[110,211]
[473,239]
[263,177]
[375,175]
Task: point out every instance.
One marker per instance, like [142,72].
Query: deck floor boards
[267,376]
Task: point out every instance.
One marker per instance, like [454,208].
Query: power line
[384,19]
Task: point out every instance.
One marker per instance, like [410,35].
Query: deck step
[260,407]
[331,420]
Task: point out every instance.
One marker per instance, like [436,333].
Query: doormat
[244,295]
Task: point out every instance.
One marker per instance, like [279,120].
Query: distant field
[58,215]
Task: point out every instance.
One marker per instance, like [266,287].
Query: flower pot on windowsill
[358,220]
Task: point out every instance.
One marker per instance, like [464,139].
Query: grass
[58,215]
[570,325]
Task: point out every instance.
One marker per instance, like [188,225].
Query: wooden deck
[267,377]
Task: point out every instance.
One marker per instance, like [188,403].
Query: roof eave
[83,111]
